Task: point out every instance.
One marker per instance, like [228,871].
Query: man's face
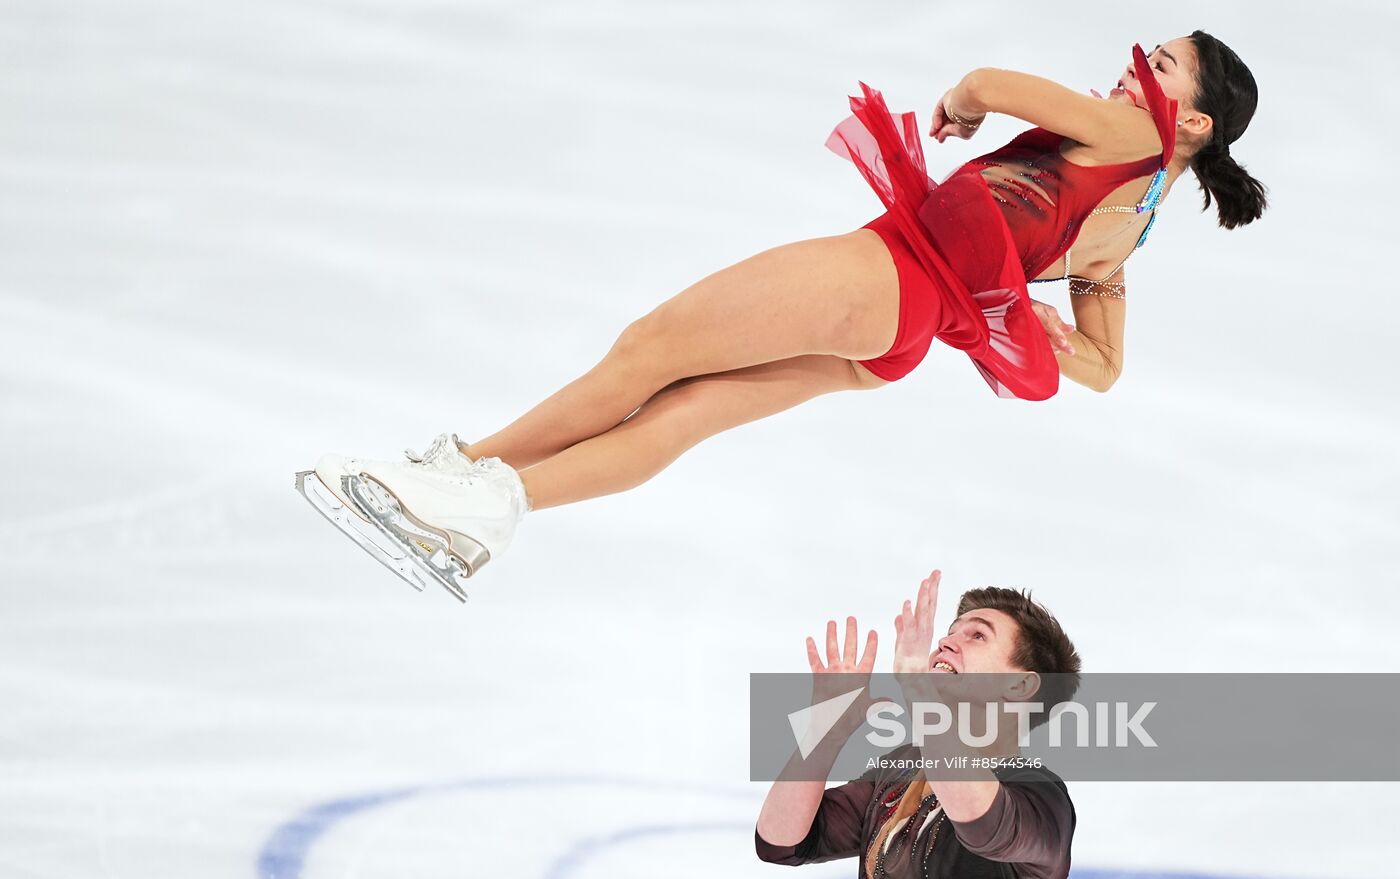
[979,641]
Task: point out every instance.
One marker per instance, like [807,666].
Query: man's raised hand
[913,628]
[843,670]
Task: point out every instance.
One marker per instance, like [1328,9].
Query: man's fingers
[849,656]
[833,653]
[867,661]
[814,659]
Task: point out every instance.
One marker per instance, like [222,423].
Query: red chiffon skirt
[960,275]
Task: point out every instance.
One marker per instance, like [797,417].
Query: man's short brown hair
[1041,644]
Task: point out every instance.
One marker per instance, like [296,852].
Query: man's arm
[971,793]
[802,822]
[1027,824]
[805,822]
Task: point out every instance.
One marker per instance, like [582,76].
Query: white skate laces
[444,454]
[438,516]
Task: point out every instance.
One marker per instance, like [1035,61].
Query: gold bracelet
[1085,287]
[958,120]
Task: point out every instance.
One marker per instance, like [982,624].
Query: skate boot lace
[443,454]
[445,457]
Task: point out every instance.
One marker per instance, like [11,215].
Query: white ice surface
[234,235]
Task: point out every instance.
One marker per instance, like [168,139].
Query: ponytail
[1227,93]
[1239,198]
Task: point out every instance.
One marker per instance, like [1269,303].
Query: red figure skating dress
[965,247]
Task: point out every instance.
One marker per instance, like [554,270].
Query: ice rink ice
[236,235]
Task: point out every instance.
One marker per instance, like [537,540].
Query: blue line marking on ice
[284,854]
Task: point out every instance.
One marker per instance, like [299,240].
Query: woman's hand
[943,127]
[1056,329]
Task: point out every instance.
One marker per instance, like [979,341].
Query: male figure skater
[912,824]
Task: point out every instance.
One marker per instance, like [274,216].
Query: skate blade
[448,557]
[365,534]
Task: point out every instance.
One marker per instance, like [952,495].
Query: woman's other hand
[1056,329]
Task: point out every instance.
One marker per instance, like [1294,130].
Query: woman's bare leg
[677,418]
[835,296]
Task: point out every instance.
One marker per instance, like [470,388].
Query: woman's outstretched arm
[1114,129]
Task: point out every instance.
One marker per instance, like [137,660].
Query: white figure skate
[450,521]
[325,488]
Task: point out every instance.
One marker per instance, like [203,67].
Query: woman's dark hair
[1226,92]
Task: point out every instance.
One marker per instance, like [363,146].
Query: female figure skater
[949,261]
